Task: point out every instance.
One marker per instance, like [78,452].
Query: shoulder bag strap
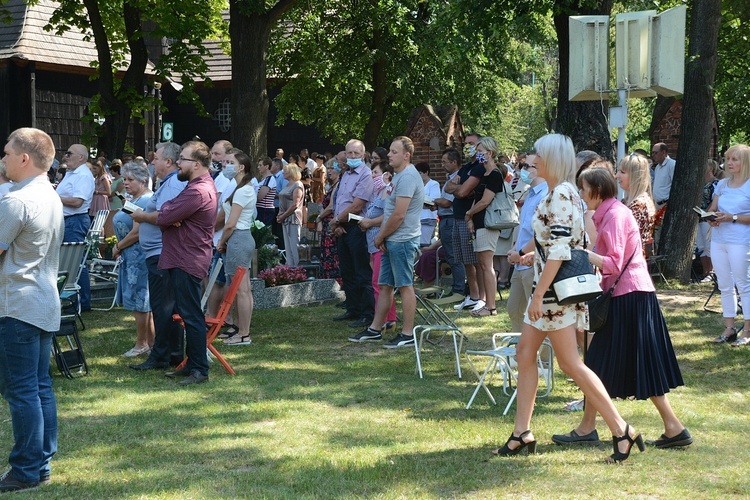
[623,270]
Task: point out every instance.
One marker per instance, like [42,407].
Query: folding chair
[211,282]
[217,322]
[715,291]
[94,234]
[107,271]
[436,319]
[502,360]
[66,344]
[655,264]
[72,260]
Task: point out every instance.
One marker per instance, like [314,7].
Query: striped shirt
[267,201]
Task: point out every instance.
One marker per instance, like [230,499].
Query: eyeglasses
[182,158]
[68,153]
[526,166]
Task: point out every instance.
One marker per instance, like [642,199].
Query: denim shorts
[221,278]
[397,264]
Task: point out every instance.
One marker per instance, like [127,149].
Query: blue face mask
[336,166]
[354,162]
[230,171]
[525,176]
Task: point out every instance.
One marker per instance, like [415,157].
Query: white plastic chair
[502,361]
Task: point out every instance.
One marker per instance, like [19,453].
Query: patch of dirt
[678,299]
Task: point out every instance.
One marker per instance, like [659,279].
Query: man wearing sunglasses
[76,190]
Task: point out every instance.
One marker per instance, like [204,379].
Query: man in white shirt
[309,162]
[663,174]
[280,156]
[76,191]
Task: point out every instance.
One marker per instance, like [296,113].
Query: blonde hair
[742,152]
[294,171]
[640,176]
[559,156]
[714,166]
[490,145]
[35,143]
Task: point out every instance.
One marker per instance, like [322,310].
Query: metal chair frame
[72,358]
[436,319]
[502,361]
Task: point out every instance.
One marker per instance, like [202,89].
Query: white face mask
[230,171]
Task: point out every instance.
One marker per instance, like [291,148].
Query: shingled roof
[24,38]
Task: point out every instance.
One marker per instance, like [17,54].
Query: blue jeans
[397,263]
[26,385]
[356,273]
[187,291]
[76,227]
[457,268]
[168,339]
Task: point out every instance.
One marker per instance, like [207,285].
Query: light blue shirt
[525,230]
[280,183]
[447,212]
[149,235]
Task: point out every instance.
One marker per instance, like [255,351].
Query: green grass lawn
[312,415]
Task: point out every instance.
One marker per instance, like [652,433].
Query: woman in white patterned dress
[558,228]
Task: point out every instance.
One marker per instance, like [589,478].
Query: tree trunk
[379,99]
[116,102]
[250,31]
[678,235]
[250,35]
[583,121]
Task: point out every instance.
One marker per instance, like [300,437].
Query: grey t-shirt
[407,184]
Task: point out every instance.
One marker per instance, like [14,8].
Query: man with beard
[187,224]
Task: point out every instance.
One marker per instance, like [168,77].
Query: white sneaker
[466,304]
[480,304]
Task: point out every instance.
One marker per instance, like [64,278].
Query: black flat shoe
[506,451]
[149,365]
[619,456]
[682,439]
[182,372]
[345,316]
[574,438]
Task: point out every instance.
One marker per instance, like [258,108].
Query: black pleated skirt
[633,355]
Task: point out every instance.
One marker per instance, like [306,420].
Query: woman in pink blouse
[558,228]
[632,354]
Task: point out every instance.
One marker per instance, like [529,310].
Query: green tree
[583,121]
[732,84]
[118,28]
[359,68]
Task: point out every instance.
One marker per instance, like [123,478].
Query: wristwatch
[734,218]
[521,253]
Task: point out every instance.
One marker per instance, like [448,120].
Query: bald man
[76,191]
